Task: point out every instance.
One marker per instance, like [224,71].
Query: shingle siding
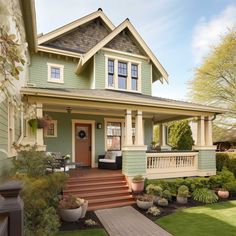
[82,39]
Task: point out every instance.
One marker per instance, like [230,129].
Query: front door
[83,144]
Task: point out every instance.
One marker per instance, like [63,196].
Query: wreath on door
[82,134]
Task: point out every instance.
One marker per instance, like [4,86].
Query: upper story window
[123,75]
[55,73]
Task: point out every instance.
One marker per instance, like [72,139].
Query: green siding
[17,124]
[134,162]
[100,66]
[206,160]
[38,73]
[3,125]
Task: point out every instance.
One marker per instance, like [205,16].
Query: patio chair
[112,160]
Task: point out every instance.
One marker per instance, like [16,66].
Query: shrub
[230,186]
[167,195]
[138,178]
[154,211]
[183,191]
[162,202]
[204,195]
[30,161]
[227,159]
[40,196]
[70,202]
[154,190]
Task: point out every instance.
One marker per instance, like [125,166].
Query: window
[55,73]
[51,130]
[113,136]
[110,73]
[134,77]
[122,75]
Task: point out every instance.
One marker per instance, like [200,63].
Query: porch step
[101,191]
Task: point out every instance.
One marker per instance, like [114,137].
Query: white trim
[68,27]
[92,123]
[55,130]
[129,62]
[199,148]
[124,53]
[54,80]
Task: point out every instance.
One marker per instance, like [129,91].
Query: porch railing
[172,164]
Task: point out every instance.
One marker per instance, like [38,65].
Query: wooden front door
[83,144]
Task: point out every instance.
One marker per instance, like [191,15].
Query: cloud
[207,33]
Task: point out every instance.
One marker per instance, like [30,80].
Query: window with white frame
[55,73]
[123,75]
[113,136]
[51,130]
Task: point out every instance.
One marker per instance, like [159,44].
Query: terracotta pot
[84,209]
[137,186]
[182,200]
[224,194]
[144,205]
[70,215]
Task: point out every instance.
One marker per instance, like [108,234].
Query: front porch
[125,125]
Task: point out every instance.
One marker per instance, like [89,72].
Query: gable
[82,38]
[125,42]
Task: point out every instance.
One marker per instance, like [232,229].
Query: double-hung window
[122,75]
[134,77]
[111,73]
[114,136]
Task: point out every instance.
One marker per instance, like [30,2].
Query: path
[126,221]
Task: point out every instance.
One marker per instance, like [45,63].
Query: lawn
[87,232]
[209,220]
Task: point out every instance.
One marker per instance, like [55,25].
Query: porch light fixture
[69,109]
[99,125]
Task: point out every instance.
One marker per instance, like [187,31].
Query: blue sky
[180,32]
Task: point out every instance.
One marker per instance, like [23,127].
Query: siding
[17,124]
[100,66]
[148,132]
[38,73]
[206,160]
[3,125]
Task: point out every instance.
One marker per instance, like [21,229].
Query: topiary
[167,195]
[162,202]
[204,195]
[183,191]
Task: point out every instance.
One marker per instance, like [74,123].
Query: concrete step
[110,199]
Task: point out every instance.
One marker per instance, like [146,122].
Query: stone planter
[182,200]
[137,186]
[70,215]
[144,205]
[156,199]
[84,209]
[224,194]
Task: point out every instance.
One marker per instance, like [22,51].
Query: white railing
[172,164]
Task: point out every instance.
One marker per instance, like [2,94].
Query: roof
[106,95]
[114,31]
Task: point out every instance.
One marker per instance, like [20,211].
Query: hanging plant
[39,123]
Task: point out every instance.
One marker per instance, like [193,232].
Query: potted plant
[67,158]
[223,193]
[137,184]
[154,145]
[167,195]
[39,123]
[154,190]
[84,205]
[182,196]
[145,201]
[162,202]
[70,209]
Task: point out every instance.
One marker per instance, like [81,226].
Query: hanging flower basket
[39,123]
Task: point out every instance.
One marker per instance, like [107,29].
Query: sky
[179,32]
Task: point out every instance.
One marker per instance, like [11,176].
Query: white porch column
[208,131]
[128,128]
[162,135]
[39,132]
[139,128]
[201,131]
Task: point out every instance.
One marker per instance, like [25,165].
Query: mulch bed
[80,224]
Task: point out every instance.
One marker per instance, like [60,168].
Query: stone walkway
[126,221]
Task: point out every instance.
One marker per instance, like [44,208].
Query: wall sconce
[69,109]
[99,125]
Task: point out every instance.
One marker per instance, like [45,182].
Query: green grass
[87,232]
[209,220]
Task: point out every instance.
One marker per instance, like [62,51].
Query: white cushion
[107,160]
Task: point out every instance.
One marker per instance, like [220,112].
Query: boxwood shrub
[227,159]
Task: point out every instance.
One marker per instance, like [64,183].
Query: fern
[204,195]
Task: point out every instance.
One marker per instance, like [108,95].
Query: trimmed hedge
[227,159]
